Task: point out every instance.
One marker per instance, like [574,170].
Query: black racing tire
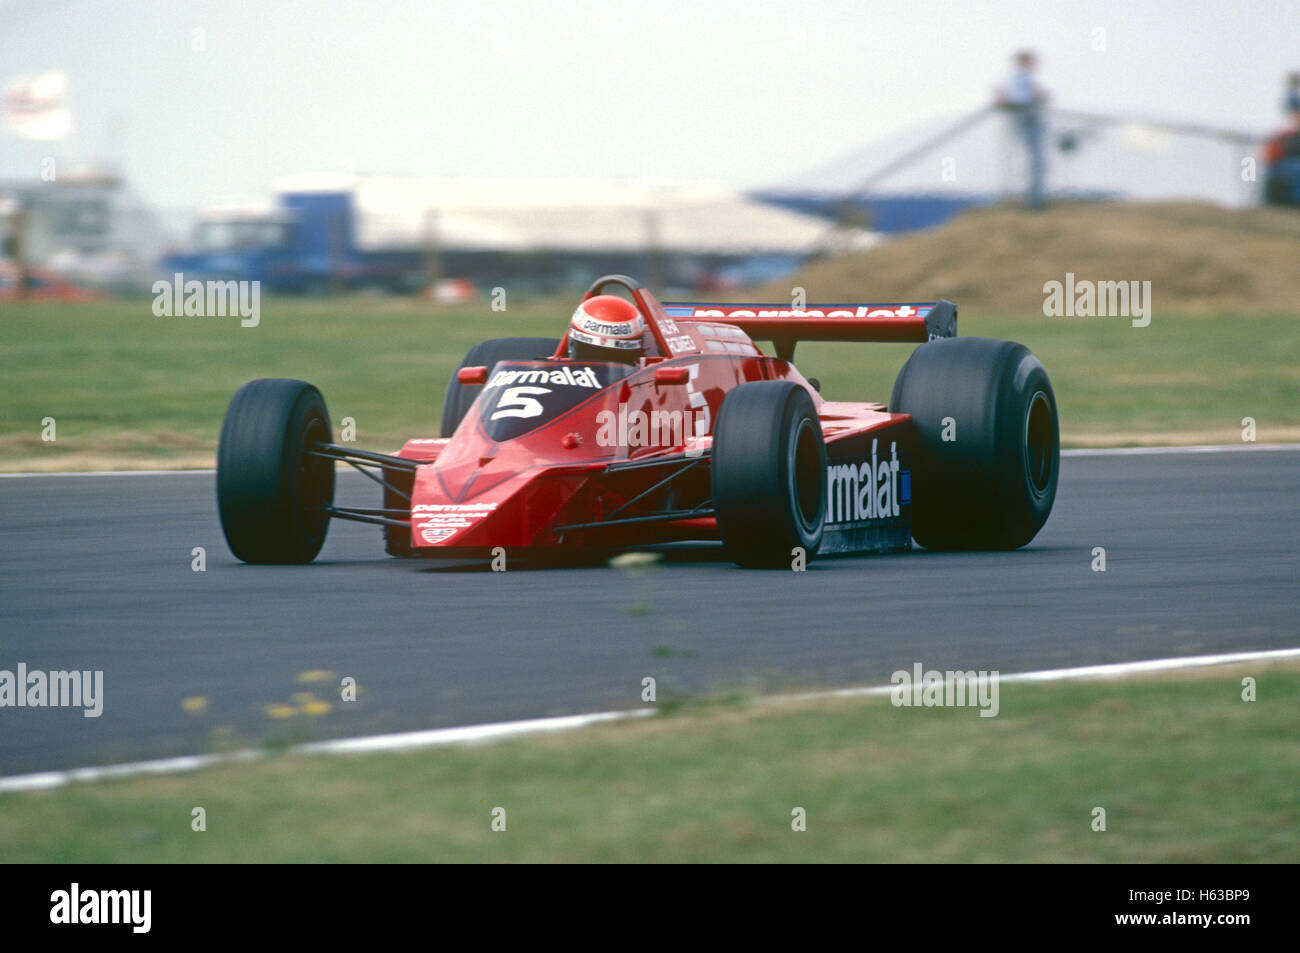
[768,474]
[993,484]
[270,492]
[459,397]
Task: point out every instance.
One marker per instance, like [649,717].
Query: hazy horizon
[745,94]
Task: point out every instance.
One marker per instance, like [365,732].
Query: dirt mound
[1198,258]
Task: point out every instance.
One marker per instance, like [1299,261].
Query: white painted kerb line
[499,731]
[105,473]
[1143,451]
[1110,670]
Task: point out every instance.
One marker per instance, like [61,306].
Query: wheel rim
[314,476]
[805,475]
[1039,443]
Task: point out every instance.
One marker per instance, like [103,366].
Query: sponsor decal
[454,507]
[677,340]
[825,311]
[512,404]
[874,489]
[623,344]
[611,330]
[565,376]
[436,522]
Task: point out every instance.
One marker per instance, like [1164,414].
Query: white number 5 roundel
[515,403]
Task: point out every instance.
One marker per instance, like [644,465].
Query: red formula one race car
[651,423]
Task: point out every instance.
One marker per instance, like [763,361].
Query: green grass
[1183,379]
[130,389]
[1186,771]
[124,385]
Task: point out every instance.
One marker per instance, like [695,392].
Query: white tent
[571,216]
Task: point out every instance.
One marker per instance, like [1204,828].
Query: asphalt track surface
[1201,556]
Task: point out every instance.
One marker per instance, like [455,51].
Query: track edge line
[500,731]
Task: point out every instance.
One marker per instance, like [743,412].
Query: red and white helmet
[607,328]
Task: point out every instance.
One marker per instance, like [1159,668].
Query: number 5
[513,403]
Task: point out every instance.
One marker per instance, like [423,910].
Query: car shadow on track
[682,555]
[664,554]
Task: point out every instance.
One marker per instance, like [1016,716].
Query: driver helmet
[607,328]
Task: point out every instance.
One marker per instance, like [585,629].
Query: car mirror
[472,375]
[672,375]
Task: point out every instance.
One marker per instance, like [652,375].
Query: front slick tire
[769,474]
[270,491]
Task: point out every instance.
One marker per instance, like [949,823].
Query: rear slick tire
[988,448]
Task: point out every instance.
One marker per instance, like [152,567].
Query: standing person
[1282,153]
[1024,99]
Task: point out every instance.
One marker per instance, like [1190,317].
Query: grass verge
[1185,769]
[130,390]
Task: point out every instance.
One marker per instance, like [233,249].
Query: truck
[306,243]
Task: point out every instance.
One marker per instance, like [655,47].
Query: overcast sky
[747,93]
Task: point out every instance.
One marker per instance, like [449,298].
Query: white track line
[468,735]
[1082,452]
[88,473]
[1214,448]
[1111,670]
[480,734]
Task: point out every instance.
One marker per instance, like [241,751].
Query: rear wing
[784,325]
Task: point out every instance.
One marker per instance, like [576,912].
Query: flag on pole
[36,107]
